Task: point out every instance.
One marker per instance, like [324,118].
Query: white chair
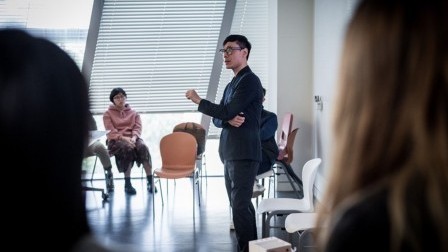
[299,223]
[270,207]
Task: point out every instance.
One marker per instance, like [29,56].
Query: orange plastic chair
[178,153]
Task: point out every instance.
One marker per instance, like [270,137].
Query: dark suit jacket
[243,94]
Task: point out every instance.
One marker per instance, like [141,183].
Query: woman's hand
[129,140]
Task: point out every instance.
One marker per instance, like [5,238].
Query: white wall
[331,17]
[294,74]
[309,41]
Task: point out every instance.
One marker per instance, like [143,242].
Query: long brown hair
[391,118]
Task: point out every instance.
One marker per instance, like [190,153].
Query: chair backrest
[289,149]
[309,172]
[195,129]
[283,136]
[178,151]
[288,157]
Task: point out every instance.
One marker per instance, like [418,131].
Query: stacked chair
[281,142]
[272,207]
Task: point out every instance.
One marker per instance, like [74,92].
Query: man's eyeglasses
[229,50]
[119,97]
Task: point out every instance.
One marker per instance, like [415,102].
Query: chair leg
[276,173]
[199,191]
[193,202]
[161,189]
[195,180]
[263,225]
[153,196]
[161,193]
[290,238]
[266,224]
[275,184]
[271,178]
[306,240]
[262,183]
[154,180]
[104,195]
[201,166]
[167,189]
[94,166]
[204,164]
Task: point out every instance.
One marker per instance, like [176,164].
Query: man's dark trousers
[239,178]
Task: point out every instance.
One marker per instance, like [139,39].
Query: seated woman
[123,140]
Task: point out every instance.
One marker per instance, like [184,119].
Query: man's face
[234,56]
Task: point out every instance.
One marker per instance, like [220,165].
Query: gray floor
[127,222]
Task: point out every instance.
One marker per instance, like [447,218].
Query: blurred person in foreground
[389,177]
[44,110]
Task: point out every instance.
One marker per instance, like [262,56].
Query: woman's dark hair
[116,91]
[44,107]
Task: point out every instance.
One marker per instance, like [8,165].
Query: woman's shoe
[129,189]
[149,186]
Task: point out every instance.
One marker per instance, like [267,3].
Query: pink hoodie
[124,122]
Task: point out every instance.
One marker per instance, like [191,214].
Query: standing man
[238,114]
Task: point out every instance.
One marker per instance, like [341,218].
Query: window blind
[155,51]
[65,23]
